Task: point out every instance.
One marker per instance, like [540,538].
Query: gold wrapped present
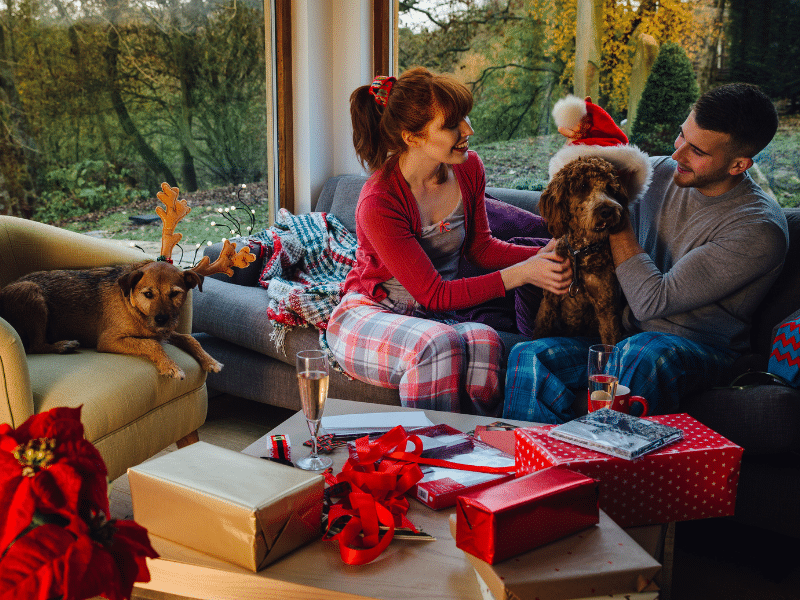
[239,508]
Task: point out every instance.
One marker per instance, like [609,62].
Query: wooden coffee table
[407,569]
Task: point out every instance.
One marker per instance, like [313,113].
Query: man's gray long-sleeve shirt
[709,260]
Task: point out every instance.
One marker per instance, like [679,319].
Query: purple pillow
[507,221]
[511,224]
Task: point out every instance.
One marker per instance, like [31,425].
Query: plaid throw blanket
[307,259]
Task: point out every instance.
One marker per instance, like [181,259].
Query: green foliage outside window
[668,95]
[87,186]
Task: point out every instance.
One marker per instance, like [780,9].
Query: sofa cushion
[245,275]
[784,296]
[508,222]
[130,389]
[238,314]
[525,199]
[743,415]
[340,196]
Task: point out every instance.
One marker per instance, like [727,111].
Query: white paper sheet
[358,423]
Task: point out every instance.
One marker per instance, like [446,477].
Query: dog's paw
[212,366]
[172,370]
[65,346]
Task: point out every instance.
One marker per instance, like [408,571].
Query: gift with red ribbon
[372,489]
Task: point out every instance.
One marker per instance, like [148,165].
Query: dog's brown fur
[128,309]
[583,203]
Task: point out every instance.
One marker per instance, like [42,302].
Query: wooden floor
[714,559]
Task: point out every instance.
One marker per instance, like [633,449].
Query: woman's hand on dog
[546,269]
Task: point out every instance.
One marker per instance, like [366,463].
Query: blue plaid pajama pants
[544,376]
[435,366]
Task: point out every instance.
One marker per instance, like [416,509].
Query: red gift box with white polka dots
[695,478]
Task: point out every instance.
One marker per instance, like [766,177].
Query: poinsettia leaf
[51,491]
[130,547]
[89,571]
[8,441]
[33,567]
[62,421]
[21,507]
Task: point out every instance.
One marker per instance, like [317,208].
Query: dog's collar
[574,255]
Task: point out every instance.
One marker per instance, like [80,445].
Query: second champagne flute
[312,379]
[603,376]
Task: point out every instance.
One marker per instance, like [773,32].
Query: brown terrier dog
[128,309]
[582,204]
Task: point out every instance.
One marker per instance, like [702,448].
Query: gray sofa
[230,321]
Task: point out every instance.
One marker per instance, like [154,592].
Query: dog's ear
[624,183]
[128,281]
[192,279]
[554,205]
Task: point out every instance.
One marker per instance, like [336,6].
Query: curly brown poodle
[584,201]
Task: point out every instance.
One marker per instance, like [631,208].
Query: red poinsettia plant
[56,538]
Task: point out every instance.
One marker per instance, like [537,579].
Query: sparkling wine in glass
[312,379]
[603,376]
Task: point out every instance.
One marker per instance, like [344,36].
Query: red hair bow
[381,87]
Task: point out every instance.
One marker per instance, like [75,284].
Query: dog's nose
[606,212]
[161,319]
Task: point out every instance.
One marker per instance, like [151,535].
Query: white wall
[331,56]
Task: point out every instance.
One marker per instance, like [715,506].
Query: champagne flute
[312,378]
[603,376]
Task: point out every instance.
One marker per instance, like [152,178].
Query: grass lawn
[215,214]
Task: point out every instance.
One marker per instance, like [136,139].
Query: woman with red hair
[420,212]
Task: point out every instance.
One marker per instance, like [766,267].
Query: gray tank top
[442,243]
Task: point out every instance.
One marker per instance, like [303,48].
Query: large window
[520,56]
[104,100]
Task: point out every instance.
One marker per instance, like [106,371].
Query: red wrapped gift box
[514,517]
[695,478]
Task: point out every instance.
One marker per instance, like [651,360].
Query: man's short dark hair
[742,111]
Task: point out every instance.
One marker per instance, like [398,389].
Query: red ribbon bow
[379,476]
[377,496]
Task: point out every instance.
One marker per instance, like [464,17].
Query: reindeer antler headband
[173,212]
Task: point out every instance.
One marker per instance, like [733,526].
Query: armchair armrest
[16,397]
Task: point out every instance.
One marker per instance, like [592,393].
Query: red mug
[623,401]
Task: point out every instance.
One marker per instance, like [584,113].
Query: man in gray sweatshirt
[703,246]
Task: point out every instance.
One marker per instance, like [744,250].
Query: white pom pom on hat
[601,137]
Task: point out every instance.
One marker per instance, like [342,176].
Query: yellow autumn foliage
[686,22]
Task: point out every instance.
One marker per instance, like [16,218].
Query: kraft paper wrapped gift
[239,508]
[695,478]
[516,516]
[599,561]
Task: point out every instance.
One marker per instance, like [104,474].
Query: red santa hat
[594,133]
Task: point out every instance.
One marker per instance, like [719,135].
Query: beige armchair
[130,412]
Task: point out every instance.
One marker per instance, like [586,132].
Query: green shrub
[668,95]
[530,183]
[85,187]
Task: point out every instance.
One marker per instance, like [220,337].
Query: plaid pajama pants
[433,365]
[544,376]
